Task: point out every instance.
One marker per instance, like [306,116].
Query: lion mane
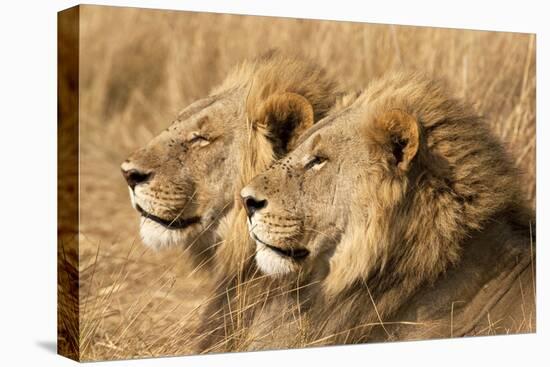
[449,248]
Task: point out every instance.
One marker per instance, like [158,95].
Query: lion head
[184,181]
[386,189]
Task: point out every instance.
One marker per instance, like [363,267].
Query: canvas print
[232,183]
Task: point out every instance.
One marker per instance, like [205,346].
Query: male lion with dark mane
[406,214]
[185,181]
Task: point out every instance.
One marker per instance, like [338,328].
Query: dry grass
[139,67]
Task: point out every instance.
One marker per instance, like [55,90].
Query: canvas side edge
[68,325]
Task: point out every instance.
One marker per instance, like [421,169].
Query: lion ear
[285,117]
[402,133]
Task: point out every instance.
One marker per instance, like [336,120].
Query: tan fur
[198,163]
[407,205]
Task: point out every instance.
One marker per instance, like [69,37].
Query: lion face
[185,179]
[299,209]
[182,180]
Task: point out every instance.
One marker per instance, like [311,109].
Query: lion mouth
[294,253]
[177,223]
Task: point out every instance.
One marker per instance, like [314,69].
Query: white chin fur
[271,263]
[158,237]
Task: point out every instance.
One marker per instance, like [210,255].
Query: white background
[28,181]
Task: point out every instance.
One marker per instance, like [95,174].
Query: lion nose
[134,176]
[252,205]
[251,202]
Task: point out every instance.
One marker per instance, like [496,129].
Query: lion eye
[199,140]
[316,162]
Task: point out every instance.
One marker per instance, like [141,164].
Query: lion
[185,181]
[406,215]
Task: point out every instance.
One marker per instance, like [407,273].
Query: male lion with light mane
[408,215]
[185,181]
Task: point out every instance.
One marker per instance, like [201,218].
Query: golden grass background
[139,67]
